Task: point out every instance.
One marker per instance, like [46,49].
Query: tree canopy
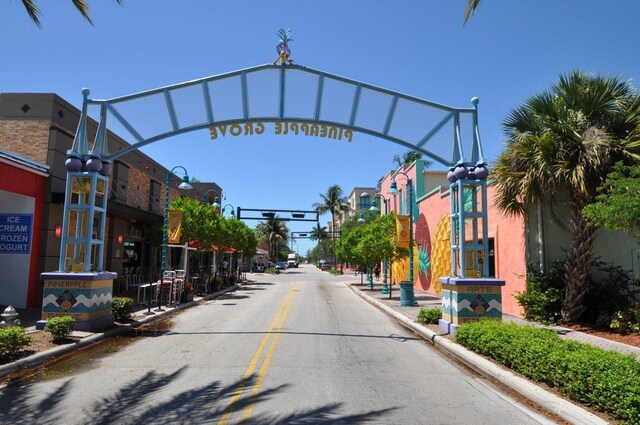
[617,205]
[561,143]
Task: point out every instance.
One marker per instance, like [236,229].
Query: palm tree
[34,11]
[274,233]
[407,158]
[318,232]
[335,203]
[565,141]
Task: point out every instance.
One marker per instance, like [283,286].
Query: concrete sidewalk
[407,316]
[28,319]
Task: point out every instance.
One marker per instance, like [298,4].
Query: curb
[549,401]
[58,351]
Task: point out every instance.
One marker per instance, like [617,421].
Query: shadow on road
[143,400]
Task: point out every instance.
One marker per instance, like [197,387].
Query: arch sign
[281,99]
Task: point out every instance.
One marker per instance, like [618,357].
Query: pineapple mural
[423,242]
[283,50]
[441,253]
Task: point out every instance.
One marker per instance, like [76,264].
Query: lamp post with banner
[406,287]
[184,185]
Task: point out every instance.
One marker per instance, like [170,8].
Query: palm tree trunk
[578,264]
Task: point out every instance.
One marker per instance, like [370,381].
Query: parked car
[281,265]
[325,266]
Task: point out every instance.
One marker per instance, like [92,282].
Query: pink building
[432,234]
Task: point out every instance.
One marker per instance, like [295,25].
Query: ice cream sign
[15,233]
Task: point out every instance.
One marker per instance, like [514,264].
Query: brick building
[40,128]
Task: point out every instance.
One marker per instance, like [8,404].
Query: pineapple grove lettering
[282,128]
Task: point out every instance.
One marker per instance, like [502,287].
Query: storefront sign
[282,128]
[15,233]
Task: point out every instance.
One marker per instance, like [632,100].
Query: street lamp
[233,213]
[374,207]
[216,200]
[184,185]
[406,288]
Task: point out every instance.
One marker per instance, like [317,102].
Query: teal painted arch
[280,93]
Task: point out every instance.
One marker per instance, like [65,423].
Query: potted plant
[188,292]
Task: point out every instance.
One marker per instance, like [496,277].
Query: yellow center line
[228,411]
[248,410]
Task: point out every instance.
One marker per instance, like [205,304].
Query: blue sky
[509,50]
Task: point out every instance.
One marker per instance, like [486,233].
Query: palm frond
[33,11]
[83,8]
[471,7]
[285,36]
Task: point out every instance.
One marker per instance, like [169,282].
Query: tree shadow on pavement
[18,407]
[143,400]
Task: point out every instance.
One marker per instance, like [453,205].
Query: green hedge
[607,381]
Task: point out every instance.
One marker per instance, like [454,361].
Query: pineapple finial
[283,47]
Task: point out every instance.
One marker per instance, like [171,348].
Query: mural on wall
[441,253]
[423,242]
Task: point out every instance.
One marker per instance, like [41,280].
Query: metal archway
[265,93]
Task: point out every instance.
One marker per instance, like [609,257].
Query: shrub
[335,271]
[608,295]
[121,308]
[272,270]
[542,301]
[12,341]
[60,327]
[431,315]
[607,381]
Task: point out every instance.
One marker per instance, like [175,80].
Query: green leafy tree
[335,203]
[200,222]
[564,141]
[617,205]
[370,242]
[321,251]
[35,13]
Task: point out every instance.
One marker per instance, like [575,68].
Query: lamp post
[374,208]
[165,230]
[216,200]
[233,214]
[406,288]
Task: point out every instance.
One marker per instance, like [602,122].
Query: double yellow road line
[245,384]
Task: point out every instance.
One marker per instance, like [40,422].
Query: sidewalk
[427,301]
[407,316]
[29,317]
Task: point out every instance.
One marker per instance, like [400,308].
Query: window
[365,201]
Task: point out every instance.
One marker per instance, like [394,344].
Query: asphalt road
[297,348]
